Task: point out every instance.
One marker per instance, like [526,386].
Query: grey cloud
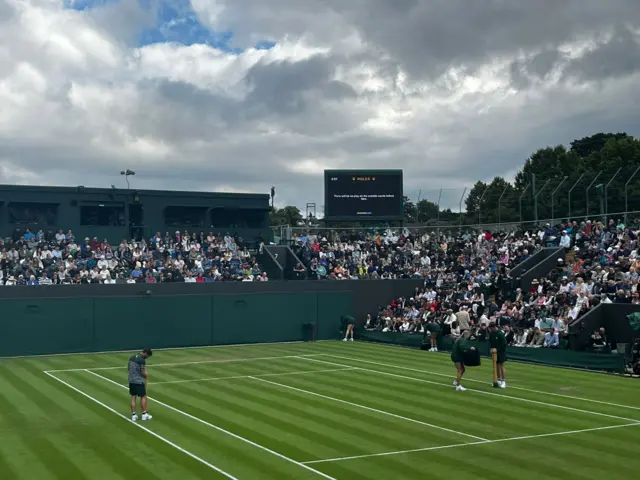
[280,86]
[447,139]
[429,37]
[536,67]
[619,56]
[124,20]
[6,12]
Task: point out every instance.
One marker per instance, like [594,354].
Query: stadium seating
[467,277]
[47,258]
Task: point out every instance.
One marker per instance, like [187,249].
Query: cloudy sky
[239,95]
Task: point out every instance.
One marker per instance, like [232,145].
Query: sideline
[511,387]
[448,385]
[179,364]
[222,430]
[444,447]
[106,352]
[430,425]
[150,432]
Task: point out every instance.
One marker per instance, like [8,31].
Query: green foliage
[288,215]
[589,177]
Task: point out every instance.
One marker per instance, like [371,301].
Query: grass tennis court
[330,410]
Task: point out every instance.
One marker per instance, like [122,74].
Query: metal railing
[285,233]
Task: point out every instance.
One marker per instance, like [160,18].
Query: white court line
[179,364]
[444,447]
[511,387]
[304,372]
[108,352]
[222,430]
[430,425]
[448,385]
[150,432]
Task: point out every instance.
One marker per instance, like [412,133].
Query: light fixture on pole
[127,173]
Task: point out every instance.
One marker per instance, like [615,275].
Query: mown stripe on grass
[6,469]
[226,452]
[85,439]
[589,386]
[165,460]
[43,445]
[485,391]
[469,410]
[447,408]
[263,423]
[342,426]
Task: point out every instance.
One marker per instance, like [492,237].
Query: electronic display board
[353,195]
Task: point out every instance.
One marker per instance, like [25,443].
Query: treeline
[595,175]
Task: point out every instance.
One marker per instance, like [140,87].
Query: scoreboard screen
[352,195]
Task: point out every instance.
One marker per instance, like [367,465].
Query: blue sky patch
[176,22]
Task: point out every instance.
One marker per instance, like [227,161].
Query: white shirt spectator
[551,339]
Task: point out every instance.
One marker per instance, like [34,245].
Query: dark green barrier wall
[86,318]
[39,324]
[103,324]
[544,356]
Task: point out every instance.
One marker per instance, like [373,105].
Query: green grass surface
[312,410]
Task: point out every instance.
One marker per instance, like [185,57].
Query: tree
[475,201]
[426,211]
[588,145]
[410,211]
[288,215]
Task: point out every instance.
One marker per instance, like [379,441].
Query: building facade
[114,214]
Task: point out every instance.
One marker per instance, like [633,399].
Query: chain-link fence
[579,195]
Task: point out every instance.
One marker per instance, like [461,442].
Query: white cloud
[448,91]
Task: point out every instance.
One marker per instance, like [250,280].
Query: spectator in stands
[55,259]
[599,340]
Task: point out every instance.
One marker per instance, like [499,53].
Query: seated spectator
[551,339]
[56,259]
[599,340]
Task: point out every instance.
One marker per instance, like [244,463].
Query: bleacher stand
[466,277]
[54,259]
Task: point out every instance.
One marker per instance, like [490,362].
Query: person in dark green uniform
[349,322]
[433,329]
[460,347]
[498,344]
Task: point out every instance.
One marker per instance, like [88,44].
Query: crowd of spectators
[50,258]
[467,281]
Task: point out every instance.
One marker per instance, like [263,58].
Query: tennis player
[498,344]
[460,347]
[138,383]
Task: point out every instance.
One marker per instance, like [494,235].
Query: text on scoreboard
[358,195]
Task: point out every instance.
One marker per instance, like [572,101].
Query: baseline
[339,400]
[303,372]
[107,352]
[511,387]
[526,400]
[150,432]
[222,430]
[444,447]
[179,364]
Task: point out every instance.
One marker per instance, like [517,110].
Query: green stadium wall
[602,362]
[92,318]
